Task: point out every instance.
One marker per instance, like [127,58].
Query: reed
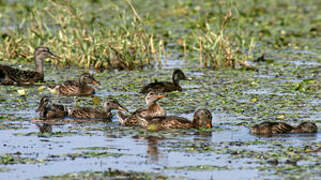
[66,30]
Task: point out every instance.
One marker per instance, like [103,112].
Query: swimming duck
[78,87]
[93,113]
[152,110]
[201,118]
[13,76]
[269,128]
[49,110]
[167,86]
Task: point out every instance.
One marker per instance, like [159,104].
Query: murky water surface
[237,99]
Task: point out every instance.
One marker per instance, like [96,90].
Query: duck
[269,128]
[152,110]
[13,76]
[166,86]
[93,113]
[48,110]
[202,118]
[78,87]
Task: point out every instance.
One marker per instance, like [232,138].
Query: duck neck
[195,124]
[39,64]
[175,81]
[107,109]
[150,103]
[81,82]
[156,110]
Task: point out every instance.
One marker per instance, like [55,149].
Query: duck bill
[121,108]
[97,83]
[53,56]
[209,125]
[187,78]
[160,96]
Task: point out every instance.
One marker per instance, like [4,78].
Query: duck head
[306,127]
[44,52]
[87,78]
[111,104]
[40,54]
[44,101]
[152,97]
[179,75]
[203,118]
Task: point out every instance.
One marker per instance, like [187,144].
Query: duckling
[93,113]
[50,111]
[13,76]
[269,128]
[167,86]
[201,118]
[152,110]
[78,87]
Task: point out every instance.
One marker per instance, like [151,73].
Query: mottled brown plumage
[48,110]
[93,113]
[152,110]
[269,128]
[13,76]
[201,118]
[78,87]
[166,86]
[305,127]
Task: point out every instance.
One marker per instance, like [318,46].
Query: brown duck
[269,128]
[93,113]
[152,110]
[78,87]
[48,110]
[167,86]
[13,76]
[201,118]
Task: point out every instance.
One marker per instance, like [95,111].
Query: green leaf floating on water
[96,100]
[22,92]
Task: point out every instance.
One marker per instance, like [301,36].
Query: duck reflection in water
[152,147]
[44,128]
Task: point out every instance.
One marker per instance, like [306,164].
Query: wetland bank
[158,37]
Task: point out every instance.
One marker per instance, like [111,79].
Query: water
[226,152]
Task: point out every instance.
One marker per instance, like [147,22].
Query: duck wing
[12,76]
[60,109]
[74,88]
[160,87]
[53,111]
[281,128]
[69,88]
[171,122]
[88,113]
[133,119]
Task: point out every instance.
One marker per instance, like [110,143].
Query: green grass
[137,34]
